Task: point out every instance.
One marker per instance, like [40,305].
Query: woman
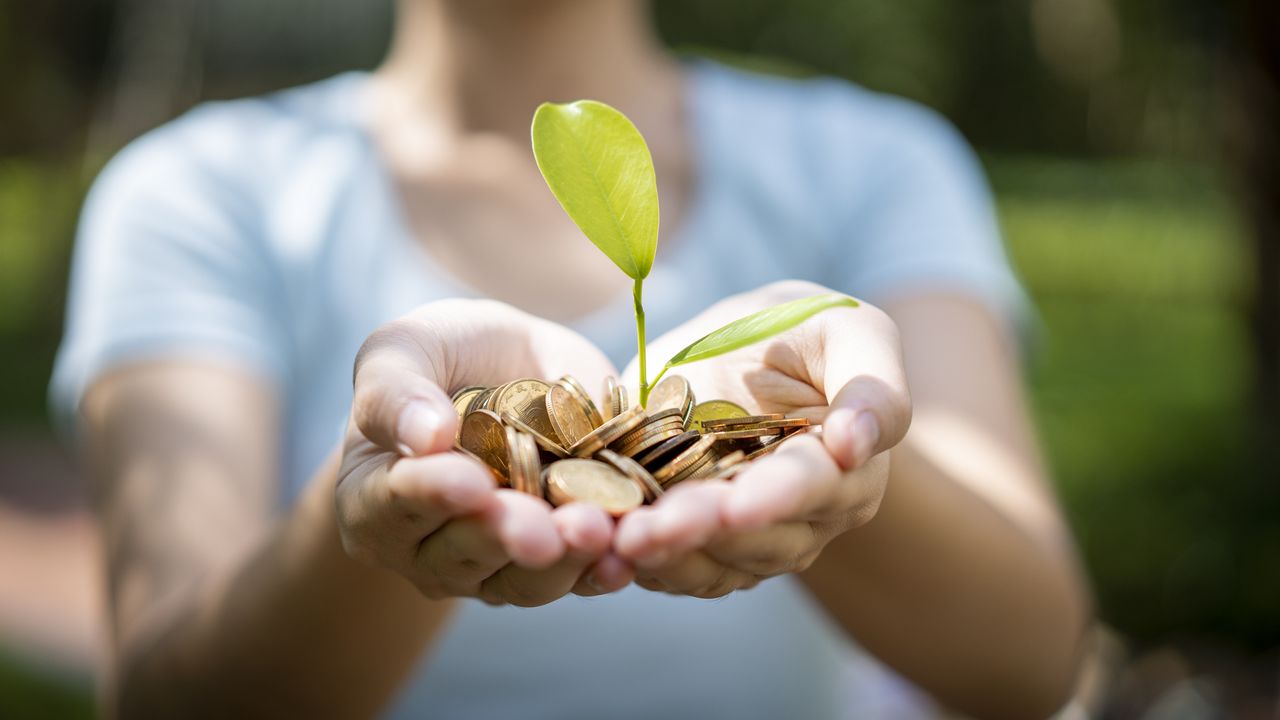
[231,264]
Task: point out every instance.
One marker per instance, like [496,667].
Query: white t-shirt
[264,232]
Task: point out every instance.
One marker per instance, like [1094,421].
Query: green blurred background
[1131,146]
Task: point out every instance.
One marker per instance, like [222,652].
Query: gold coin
[647,429]
[714,410]
[592,482]
[686,462]
[570,417]
[572,385]
[650,438]
[534,471]
[515,395]
[665,420]
[615,397]
[692,471]
[724,468]
[515,459]
[783,425]
[609,407]
[467,453]
[615,428]
[632,469]
[484,436]
[729,423]
[481,401]
[462,399]
[526,470]
[673,393]
[767,445]
[788,432]
[542,441]
[526,399]
[488,401]
[465,389]
[662,415]
[620,400]
[743,434]
[658,455]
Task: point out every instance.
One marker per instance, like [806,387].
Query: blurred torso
[475,202]
[282,236]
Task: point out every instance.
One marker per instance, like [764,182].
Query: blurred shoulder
[826,122]
[244,144]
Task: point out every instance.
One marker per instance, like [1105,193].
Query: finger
[866,417]
[773,550]
[870,407]
[796,482]
[459,556]
[651,583]
[697,575]
[685,518]
[609,574]
[429,490]
[398,403]
[586,530]
[386,508]
[526,528]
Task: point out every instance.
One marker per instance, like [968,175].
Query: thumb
[400,402]
[866,418]
[871,410]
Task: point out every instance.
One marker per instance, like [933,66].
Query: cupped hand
[406,502]
[843,368]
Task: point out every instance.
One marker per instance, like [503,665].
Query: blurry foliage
[1006,71]
[38,207]
[36,694]
[1141,383]
[1104,120]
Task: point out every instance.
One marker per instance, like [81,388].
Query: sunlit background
[1133,148]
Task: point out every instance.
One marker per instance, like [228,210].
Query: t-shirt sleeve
[168,262]
[929,222]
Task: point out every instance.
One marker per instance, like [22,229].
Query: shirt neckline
[697,86]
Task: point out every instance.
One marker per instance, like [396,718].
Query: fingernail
[866,435]
[417,428]
[594,583]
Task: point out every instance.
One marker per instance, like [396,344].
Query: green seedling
[598,166]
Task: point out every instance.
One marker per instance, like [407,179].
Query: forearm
[297,629]
[958,594]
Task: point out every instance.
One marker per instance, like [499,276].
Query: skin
[959,507]
[958,572]
[207,584]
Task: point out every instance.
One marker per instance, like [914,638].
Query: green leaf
[599,168]
[758,326]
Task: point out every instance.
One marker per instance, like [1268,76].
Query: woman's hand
[842,367]
[407,503]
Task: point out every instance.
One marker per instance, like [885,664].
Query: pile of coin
[551,439]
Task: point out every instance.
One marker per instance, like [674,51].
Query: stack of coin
[674,393]
[615,397]
[551,440]
[523,464]
[658,427]
[755,435]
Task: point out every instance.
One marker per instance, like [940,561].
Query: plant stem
[637,291]
[661,372]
